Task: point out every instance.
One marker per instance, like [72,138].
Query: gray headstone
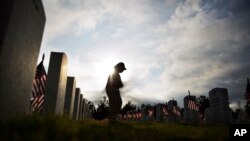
[69,97]
[159,112]
[190,115]
[21,31]
[56,84]
[219,111]
[76,104]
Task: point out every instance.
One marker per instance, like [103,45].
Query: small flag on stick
[192,104]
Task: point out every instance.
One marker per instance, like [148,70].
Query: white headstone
[56,84]
[69,97]
[21,31]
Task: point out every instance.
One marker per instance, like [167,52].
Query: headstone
[219,111]
[69,97]
[207,115]
[21,31]
[56,84]
[80,107]
[165,113]
[144,113]
[86,111]
[172,115]
[159,112]
[151,113]
[190,115]
[76,104]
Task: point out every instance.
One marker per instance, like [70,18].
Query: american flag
[165,111]
[139,115]
[38,88]
[150,112]
[247,93]
[191,103]
[176,111]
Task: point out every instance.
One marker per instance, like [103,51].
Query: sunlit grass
[55,128]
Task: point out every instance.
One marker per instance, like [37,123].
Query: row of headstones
[218,112]
[172,114]
[158,113]
[62,98]
[20,40]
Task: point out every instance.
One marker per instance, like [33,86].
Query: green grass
[57,129]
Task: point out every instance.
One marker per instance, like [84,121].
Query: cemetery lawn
[57,129]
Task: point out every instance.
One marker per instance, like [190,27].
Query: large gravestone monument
[56,84]
[190,115]
[69,97]
[219,111]
[76,103]
[21,31]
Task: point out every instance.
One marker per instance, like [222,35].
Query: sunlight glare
[104,68]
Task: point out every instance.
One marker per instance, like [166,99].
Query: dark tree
[128,107]
[203,103]
[235,114]
[102,110]
[91,107]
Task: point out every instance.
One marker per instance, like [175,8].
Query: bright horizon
[168,47]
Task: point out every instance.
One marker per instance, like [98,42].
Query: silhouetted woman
[112,89]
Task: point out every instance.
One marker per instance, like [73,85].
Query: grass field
[57,129]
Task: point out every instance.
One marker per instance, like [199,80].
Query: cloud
[205,51]
[77,16]
[169,47]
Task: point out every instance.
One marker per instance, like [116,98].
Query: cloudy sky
[168,46]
